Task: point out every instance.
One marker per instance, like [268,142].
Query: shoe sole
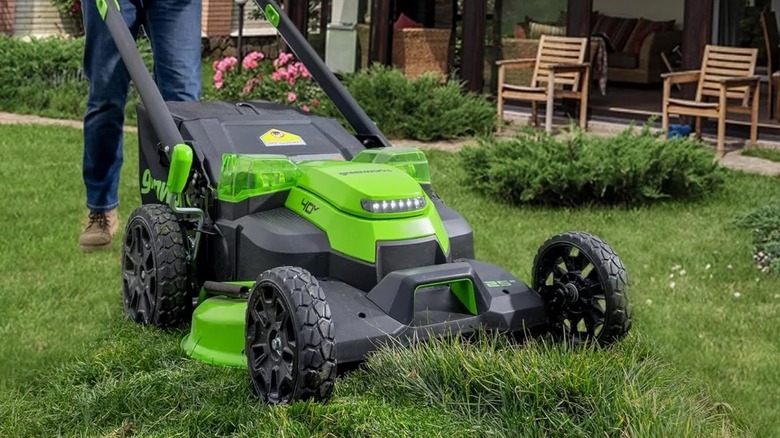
[90,248]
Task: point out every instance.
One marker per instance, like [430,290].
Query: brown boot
[100,231]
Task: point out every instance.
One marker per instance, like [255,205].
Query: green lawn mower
[293,247]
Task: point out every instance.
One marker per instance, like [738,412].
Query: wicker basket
[420,50]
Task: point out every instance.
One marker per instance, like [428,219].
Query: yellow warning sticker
[276,137]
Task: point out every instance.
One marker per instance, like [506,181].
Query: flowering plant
[281,80]
[72,10]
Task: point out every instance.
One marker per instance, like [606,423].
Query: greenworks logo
[500,283]
[160,188]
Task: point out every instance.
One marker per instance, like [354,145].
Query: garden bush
[633,167]
[421,109]
[281,80]
[45,76]
[764,224]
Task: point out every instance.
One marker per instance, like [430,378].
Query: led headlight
[394,205]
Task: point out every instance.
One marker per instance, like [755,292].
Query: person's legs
[103,122]
[174,29]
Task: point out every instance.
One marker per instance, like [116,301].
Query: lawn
[702,358]
[766,154]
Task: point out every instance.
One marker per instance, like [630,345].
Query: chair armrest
[568,68]
[682,77]
[519,62]
[740,82]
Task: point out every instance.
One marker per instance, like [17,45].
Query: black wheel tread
[312,321]
[619,317]
[173,303]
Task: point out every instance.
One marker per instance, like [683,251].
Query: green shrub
[632,167]
[764,223]
[46,77]
[421,109]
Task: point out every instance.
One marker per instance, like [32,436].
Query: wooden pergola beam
[472,69]
[578,18]
[697,32]
[381,36]
[298,11]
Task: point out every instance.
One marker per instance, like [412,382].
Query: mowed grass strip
[73,366]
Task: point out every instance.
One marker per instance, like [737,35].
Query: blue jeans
[174,30]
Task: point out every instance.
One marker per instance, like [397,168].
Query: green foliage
[135,378]
[73,367]
[764,224]
[633,167]
[46,77]
[282,80]
[421,109]
[764,154]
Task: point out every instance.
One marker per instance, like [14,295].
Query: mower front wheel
[289,342]
[585,287]
[154,260]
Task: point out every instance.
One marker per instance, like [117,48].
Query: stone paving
[733,158]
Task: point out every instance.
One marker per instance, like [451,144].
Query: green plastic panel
[244,176]
[357,236]
[102,7]
[347,184]
[217,333]
[462,289]
[179,171]
[410,160]
[272,15]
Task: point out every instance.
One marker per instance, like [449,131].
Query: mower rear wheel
[154,259]
[290,347]
[585,286]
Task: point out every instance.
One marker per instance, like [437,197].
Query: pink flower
[291,80]
[315,103]
[291,97]
[305,108]
[276,76]
[249,64]
[227,63]
[282,59]
[215,64]
[250,60]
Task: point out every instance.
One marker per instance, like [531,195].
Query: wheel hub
[276,344]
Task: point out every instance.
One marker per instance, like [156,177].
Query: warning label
[275,137]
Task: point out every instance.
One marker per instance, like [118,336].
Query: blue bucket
[679,131]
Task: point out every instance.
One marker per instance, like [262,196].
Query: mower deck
[400,307]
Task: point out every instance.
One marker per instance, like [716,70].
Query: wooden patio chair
[772,40]
[726,73]
[559,72]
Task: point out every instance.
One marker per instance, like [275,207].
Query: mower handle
[159,114]
[367,131]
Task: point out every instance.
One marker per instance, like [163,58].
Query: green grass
[763,153]
[68,100]
[700,360]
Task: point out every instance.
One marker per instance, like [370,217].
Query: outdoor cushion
[623,60]
[617,29]
[536,30]
[644,29]
[404,22]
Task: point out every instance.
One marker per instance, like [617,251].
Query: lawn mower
[291,246]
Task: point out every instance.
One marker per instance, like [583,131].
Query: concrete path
[733,158]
